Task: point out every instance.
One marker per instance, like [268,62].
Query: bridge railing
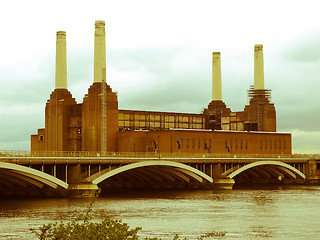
[86,154]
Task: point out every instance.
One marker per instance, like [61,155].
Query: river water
[274,213]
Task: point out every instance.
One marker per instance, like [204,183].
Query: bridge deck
[27,157]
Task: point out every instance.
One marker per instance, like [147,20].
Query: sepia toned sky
[159,58]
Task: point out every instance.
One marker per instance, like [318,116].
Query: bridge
[80,174]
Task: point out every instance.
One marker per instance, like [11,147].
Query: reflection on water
[287,213]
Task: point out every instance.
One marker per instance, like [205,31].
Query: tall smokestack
[258,67]
[99,52]
[61,61]
[216,77]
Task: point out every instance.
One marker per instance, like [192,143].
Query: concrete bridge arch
[267,169]
[14,176]
[155,173]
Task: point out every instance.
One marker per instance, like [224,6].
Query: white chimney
[61,61]
[99,52]
[216,77]
[258,67]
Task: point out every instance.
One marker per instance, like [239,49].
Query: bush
[82,229]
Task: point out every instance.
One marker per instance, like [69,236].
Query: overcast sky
[159,56]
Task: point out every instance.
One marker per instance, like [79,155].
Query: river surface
[278,213]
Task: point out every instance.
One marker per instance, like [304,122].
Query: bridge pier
[79,188]
[223,184]
[219,182]
[311,173]
[82,189]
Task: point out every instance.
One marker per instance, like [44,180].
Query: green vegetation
[83,228]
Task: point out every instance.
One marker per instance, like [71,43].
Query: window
[187,142]
[241,144]
[41,138]
[199,143]
[179,145]
[193,143]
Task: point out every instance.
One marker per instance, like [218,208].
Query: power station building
[97,124]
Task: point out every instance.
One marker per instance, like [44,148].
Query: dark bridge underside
[266,175]
[152,177]
[14,184]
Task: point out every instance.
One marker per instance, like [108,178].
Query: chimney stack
[61,61]
[258,67]
[216,77]
[99,52]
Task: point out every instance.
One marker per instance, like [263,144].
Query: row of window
[158,117]
[151,125]
[206,144]
[241,144]
[194,143]
[275,145]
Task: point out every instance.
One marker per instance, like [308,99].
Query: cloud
[295,84]
[160,79]
[174,79]
[18,123]
[305,141]
[305,49]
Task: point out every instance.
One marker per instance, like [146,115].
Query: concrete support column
[54,170]
[66,173]
[79,188]
[61,61]
[216,77]
[82,190]
[223,184]
[99,52]
[220,182]
[74,172]
[311,172]
[89,172]
[258,67]
[216,170]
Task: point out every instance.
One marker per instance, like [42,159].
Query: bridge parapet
[85,154]
[58,158]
